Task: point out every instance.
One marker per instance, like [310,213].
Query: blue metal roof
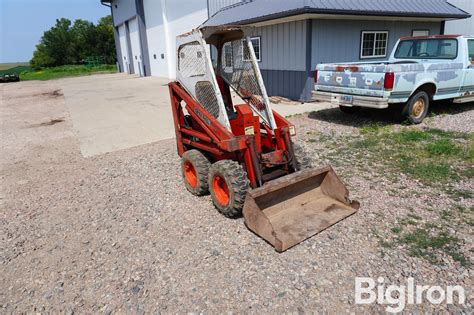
[253,11]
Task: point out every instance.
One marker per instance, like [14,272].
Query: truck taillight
[389,81]
[315,76]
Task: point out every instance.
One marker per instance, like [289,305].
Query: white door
[468,85]
[136,48]
[156,38]
[124,48]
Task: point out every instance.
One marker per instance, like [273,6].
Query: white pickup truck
[419,70]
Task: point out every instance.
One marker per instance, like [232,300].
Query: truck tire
[349,109]
[195,169]
[303,159]
[416,109]
[228,184]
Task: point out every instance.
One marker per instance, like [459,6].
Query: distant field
[6,66]
[66,71]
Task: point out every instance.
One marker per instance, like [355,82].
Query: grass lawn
[436,159]
[65,71]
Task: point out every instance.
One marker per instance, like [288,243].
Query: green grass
[65,71]
[429,242]
[432,156]
[17,69]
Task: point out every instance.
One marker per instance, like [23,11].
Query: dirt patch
[53,94]
[48,123]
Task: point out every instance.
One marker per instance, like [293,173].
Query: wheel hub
[418,108]
[190,174]
[221,191]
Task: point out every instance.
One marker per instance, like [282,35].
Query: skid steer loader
[244,154]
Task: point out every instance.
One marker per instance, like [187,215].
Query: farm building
[290,37]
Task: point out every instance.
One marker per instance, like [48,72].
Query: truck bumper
[350,100]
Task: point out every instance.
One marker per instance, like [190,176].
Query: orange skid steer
[243,154]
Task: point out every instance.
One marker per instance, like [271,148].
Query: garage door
[156,38]
[135,43]
[124,48]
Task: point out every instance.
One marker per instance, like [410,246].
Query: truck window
[427,49]
[470,44]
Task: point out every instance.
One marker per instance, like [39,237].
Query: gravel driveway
[118,232]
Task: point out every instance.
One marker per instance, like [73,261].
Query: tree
[68,43]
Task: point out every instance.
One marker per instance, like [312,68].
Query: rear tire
[303,159]
[349,110]
[416,109]
[228,184]
[195,169]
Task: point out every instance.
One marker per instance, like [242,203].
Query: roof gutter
[104,3]
[307,10]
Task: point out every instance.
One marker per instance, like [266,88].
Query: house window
[415,33]
[256,48]
[374,44]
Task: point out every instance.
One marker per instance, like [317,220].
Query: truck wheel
[195,169]
[416,108]
[348,109]
[303,160]
[228,184]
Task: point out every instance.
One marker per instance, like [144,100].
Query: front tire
[416,108]
[195,169]
[228,184]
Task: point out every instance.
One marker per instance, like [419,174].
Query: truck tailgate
[366,80]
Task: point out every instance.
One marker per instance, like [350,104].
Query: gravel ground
[119,232]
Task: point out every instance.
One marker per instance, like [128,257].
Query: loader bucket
[292,208]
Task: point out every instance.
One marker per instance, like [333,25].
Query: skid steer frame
[243,154]
[205,133]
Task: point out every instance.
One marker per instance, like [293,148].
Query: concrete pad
[118,111]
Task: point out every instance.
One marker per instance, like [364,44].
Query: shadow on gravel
[389,116]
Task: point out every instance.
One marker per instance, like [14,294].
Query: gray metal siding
[463,27]
[216,5]
[339,40]
[290,84]
[283,46]
[125,10]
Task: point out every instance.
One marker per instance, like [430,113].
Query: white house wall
[463,27]
[123,10]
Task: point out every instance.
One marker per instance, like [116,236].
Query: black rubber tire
[237,183]
[303,159]
[349,110]
[407,111]
[201,166]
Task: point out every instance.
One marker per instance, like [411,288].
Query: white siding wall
[165,19]
[123,10]
[135,44]
[123,47]
[463,27]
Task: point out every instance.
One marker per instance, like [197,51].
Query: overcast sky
[22,22]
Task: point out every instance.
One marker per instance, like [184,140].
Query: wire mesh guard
[237,69]
[192,64]
[192,61]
